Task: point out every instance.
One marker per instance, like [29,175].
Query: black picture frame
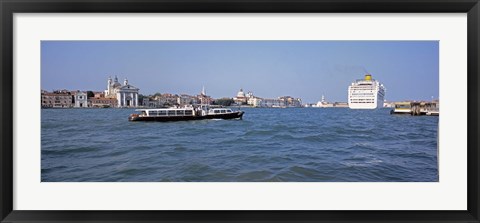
[9,7]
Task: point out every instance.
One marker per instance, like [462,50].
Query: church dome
[240,94]
[116,85]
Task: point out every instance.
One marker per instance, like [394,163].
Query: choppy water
[293,144]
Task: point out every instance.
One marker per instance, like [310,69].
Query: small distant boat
[184,114]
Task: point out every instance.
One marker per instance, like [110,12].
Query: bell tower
[109,84]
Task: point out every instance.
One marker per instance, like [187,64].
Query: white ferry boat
[185,114]
[366,93]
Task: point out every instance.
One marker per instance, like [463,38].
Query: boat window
[188,112]
[402,106]
[229,110]
[172,112]
[216,111]
[223,111]
[152,113]
[163,113]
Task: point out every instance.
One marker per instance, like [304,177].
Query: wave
[293,145]
[65,151]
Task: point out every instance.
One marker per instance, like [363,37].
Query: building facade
[291,102]
[126,94]
[99,94]
[102,102]
[241,98]
[149,103]
[185,99]
[81,99]
[272,103]
[203,98]
[254,101]
[167,100]
[56,99]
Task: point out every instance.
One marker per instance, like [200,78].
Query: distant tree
[90,94]
[223,101]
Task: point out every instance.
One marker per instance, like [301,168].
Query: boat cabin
[184,114]
[166,112]
[217,111]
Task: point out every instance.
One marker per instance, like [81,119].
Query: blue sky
[304,69]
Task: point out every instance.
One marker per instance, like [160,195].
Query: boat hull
[234,115]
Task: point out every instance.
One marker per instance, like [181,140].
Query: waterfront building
[254,101]
[366,93]
[240,98]
[150,103]
[169,100]
[185,99]
[166,99]
[81,99]
[56,99]
[272,103]
[102,102]
[146,102]
[280,102]
[126,94]
[323,103]
[98,94]
[203,98]
[63,91]
[291,102]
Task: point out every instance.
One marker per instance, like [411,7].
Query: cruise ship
[366,93]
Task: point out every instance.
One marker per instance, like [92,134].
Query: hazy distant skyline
[270,69]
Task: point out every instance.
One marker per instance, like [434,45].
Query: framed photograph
[264,111]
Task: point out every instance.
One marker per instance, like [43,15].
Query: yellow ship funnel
[368,77]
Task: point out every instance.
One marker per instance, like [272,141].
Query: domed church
[126,94]
[241,98]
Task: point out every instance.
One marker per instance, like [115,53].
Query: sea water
[269,144]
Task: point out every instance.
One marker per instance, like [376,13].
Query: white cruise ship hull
[366,94]
[365,105]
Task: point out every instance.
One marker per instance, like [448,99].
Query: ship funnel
[368,77]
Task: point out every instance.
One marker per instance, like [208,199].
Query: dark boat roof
[163,109]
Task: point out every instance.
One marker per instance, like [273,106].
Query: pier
[417,108]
